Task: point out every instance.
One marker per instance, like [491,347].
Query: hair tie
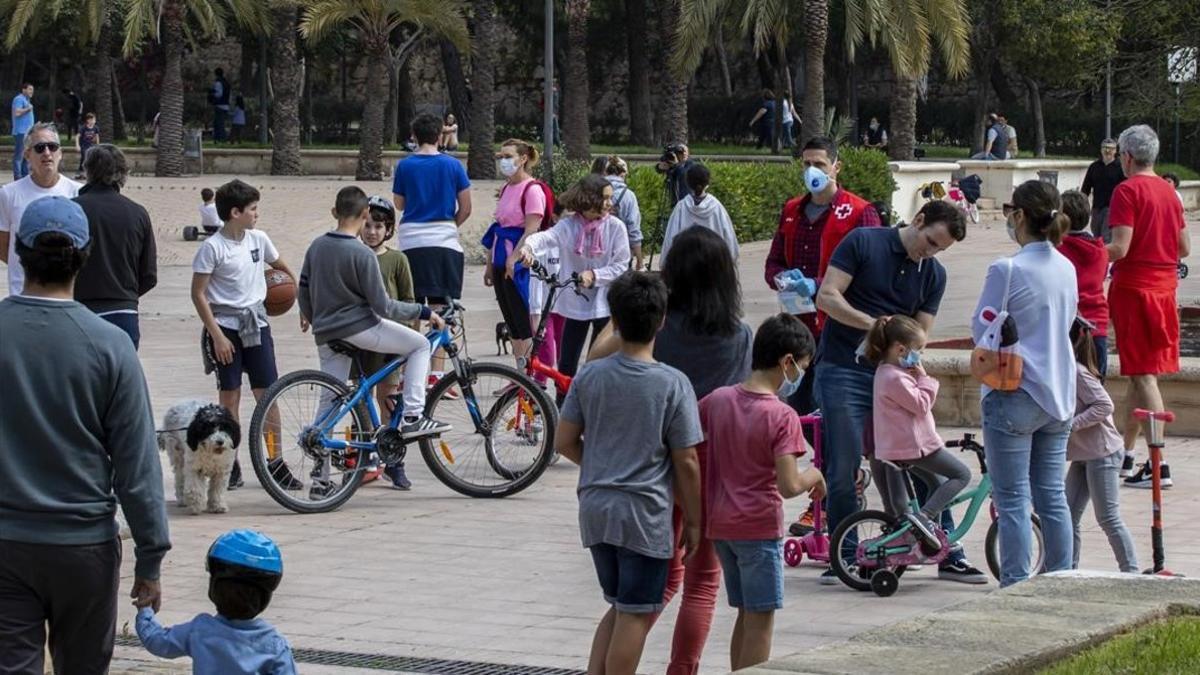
[1053,214]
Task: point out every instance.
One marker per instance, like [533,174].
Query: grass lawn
[1171,646]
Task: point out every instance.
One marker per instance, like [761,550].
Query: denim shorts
[753,573]
[632,583]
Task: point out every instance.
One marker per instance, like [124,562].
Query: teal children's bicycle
[877,547]
[326,433]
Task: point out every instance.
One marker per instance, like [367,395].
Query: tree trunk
[249,51]
[722,58]
[118,128]
[285,76]
[576,131]
[816,31]
[264,93]
[306,103]
[169,161]
[406,105]
[903,138]
[456,86]
[389,110]
[370,149]
[780,86]
[641,112]
[481,162]
[673,96]
[1039,119]
[100,74]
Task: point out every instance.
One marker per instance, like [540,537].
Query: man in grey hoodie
[68,454]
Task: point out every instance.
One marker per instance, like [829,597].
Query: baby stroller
[965,192]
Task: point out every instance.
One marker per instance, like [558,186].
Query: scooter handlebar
[1161,416]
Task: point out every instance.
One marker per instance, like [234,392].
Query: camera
[672,155]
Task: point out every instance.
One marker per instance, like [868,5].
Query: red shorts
[1146,323]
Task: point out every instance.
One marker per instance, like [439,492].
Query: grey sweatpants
[1100,480]
[941,469]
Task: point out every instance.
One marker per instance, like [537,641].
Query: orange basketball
[281,292]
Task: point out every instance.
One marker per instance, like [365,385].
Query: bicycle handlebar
[538,270]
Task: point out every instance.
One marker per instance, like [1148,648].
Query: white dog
[200,438]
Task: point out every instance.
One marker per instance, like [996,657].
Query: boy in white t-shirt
[229,287]
[210,222]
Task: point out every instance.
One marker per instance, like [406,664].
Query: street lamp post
[548,90]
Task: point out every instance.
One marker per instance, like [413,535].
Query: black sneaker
[925,531]
[282,475]
[320,489]
[399,479]
[830,578]
[235,477]
[1127,465]
[422,427]
[962,572]
[1144,477]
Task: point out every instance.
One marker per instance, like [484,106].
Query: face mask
[789,386]
[815,180]
[508,165]
[874,126]
[1012,229]
[911,360]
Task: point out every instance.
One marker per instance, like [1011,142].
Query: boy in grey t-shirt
[642,426]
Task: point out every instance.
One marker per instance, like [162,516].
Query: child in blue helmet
[244,568]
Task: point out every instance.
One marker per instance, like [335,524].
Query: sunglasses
[1007,209]
[39,148]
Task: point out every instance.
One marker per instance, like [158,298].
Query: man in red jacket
[810,228]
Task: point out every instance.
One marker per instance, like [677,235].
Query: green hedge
[752,192]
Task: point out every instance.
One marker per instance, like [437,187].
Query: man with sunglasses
[43,152]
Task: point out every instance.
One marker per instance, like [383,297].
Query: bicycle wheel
[282,429]
[973,212]
[1037,556]
[860,527]
[511,447]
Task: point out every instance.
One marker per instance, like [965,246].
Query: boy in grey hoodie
[342,297]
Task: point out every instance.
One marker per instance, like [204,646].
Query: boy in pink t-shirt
[752,441]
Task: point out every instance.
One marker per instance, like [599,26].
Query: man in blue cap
[76,437]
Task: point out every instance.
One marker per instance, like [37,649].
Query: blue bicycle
[313,437]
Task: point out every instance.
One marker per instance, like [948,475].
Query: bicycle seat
[343,347]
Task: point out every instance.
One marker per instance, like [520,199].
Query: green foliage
[1061,43]
[754,192]
[567,172]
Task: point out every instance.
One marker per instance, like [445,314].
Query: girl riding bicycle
[905,432]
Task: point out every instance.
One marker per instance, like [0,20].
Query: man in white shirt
[43,152]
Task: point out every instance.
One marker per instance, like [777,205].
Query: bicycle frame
[976,498]
[362,394]
[532,364]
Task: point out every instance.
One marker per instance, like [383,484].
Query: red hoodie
[1090,258]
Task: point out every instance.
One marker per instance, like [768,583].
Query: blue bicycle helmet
[251,551]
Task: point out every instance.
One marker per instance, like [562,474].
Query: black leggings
[512,305]
[574,333]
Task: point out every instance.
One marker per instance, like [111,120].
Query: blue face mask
[815,180]
[911,360]
[789,386]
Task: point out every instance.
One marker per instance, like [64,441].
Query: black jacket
[123,264]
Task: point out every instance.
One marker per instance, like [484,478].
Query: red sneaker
[451,394]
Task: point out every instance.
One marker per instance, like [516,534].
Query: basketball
[281,292]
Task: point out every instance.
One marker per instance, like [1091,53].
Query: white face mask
[874,126]
[1012,229]
[508,165]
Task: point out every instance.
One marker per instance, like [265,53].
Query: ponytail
[887,331]
[1043,210]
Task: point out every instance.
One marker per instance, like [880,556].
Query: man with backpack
[526,206]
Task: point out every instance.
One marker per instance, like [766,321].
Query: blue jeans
[20,166]
[219,116]
[845,395]
[753,570]
[1027,460]
[126,322]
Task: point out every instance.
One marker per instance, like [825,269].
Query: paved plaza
[432,574]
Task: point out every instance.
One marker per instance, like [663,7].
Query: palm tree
[95,22]
[481,164]
[285,80]
[373,22]
[907,30]
[576,131]
[171,23]
[816,31]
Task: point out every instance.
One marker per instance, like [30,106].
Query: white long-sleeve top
[1042,300]
[609,265]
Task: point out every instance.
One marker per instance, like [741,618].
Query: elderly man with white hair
[1149,238]
[43,152]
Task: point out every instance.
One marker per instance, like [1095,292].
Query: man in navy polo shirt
[875,272]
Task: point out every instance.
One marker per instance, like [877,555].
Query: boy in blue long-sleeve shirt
[244,568]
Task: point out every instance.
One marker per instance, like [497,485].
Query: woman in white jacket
[699,209]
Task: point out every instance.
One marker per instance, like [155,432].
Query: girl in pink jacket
[905,433]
